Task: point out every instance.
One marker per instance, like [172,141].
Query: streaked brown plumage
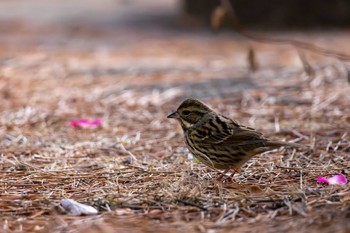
[218,141]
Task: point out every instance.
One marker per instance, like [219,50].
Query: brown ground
[131,70]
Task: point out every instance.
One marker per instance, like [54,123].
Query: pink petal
[85,123]
[339,179]
[322,179]
[97,122]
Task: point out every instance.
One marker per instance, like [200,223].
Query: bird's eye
[186,113]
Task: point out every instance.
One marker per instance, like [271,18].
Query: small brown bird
[218,141]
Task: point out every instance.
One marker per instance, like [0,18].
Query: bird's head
[190,112]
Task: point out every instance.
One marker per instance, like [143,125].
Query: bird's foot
[227,178]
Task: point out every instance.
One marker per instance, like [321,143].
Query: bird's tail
[277,144]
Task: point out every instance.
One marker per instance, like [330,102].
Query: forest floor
[131,71]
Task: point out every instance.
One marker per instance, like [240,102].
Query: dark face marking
[186,113]
[191,111]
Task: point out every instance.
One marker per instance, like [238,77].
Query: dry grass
[135,169]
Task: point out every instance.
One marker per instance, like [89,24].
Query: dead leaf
[251,59]
[217,17]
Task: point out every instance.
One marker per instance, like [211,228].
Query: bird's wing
[224,131]
[244,136]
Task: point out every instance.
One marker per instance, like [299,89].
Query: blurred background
[283,14]
[114,13]
[167,41]
[253,13]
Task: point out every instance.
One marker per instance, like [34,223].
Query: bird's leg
[230,178]
[235,170]
[222,174]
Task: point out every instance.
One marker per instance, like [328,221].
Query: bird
[218,141]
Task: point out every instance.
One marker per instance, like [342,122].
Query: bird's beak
[173,115]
